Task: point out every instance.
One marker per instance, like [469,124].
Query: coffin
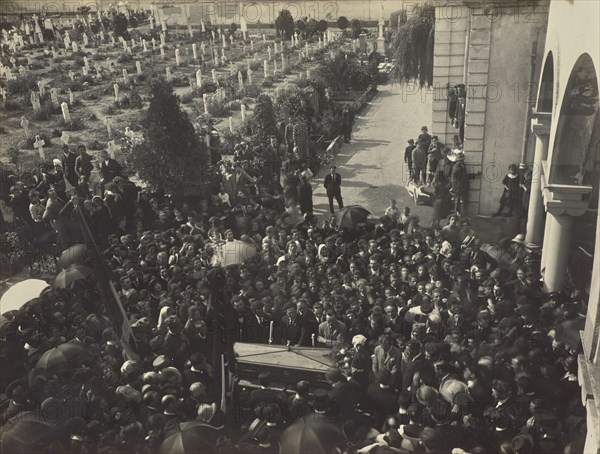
[288,365]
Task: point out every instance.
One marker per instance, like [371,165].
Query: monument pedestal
[381,45]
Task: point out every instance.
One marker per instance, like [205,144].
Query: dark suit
[381,403]
[257,330]
[332,184]
[342,399]
[109,170]
[293,331]
[263,395]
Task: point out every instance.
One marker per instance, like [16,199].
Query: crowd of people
[449,350]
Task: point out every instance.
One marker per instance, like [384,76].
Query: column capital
[564,199]
[540,123]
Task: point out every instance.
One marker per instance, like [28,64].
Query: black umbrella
[59,359]
[30,432]
[189,437]
[75,255]
[311,435]
[350,216]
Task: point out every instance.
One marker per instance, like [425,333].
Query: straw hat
[450,388]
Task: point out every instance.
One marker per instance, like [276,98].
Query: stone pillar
[556,250]
[535,220]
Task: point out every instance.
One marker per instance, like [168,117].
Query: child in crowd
[404,217]
[392,211]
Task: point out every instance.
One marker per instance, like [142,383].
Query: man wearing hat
[460,184]
[83,163]
[109,169]
[68,159]
[332,184]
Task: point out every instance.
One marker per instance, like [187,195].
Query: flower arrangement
[13,252]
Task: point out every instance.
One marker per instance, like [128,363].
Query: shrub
[268,82]
[229,140]
[79,61]
[217,108]
[12,105]
[247,126]
[125,58]
[56,133]
[205,121]
[99,57]
[22,84]
[93,117]
[186,98]
[96,145]
[44,113]
[76,124]
[252,91]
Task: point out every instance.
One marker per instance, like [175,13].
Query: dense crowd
[448,349]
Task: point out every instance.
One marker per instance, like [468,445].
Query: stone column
[556,250]
[540,126]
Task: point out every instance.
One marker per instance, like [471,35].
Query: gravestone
[65,111]
[39,145]
[54,97]
[25,126]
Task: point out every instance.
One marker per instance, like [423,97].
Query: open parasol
[350,216]
[30,432]
[73,273]
[21,293]
[59,359]
[75,255]
[188,437]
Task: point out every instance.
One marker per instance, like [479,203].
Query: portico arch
[545,100]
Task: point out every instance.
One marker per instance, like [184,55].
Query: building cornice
[540,123]
[564,199]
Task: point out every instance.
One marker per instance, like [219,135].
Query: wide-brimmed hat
[450,388]
[520,239]
[426,395]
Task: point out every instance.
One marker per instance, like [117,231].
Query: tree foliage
[284,24]
[413,48]
[343,23]
[322,26]
[342,72]
[311,27]
[120,24]
[356,26]
[172,156]
[264,114]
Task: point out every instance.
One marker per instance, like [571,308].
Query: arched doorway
[576,161]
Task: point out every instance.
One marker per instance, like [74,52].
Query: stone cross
[116,89]
[132,43]
[13,61]
[266,68]
[125,76]
[65,112]
[177,57]
[39,144]
[195,51]
[151,22]
[212,32]
[71,97]
[231,39]
[138,67]
[42,88]
[199,78]
[243,107]
[214,75]
[54,97]
[168,71]
[205,101]
[249,76]
[25,126]
[108,124]
[22,70]
[71,75]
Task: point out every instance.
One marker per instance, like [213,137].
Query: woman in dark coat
[510,196]
[305,196]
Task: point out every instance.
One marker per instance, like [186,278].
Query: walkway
[372,166]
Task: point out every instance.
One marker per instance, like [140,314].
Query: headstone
[270,53]
[169,76]
[240,81]
[255,56]
[116,89]
[74,46]
[162,39]
[224,40]
[266,68]
[25,126]
[64,138]
[86,40]
[230,125]
[144,46]
[132,43]
[199,78]
[151,22]
[243,107]
[101,35]
[27,29]
[162,51]
[153,44]
[125,76]
[212,33]
[31,40]
[22,70]
[214,75]
[71,97]
[282,62]
[39,144]
[138,67]
[205,101]
[112,149]
[308,73]
[264,38]
[85,71]
[275,47]
[54,53]
[249,76]
[125,46]
[42,88]
[108,124]
[177,57]
[194,51]
[231,39]
[274,67]
[85,62]
[54,97]
[112,40]
[252,45]
[71,75]
[203,49]
[65,111]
